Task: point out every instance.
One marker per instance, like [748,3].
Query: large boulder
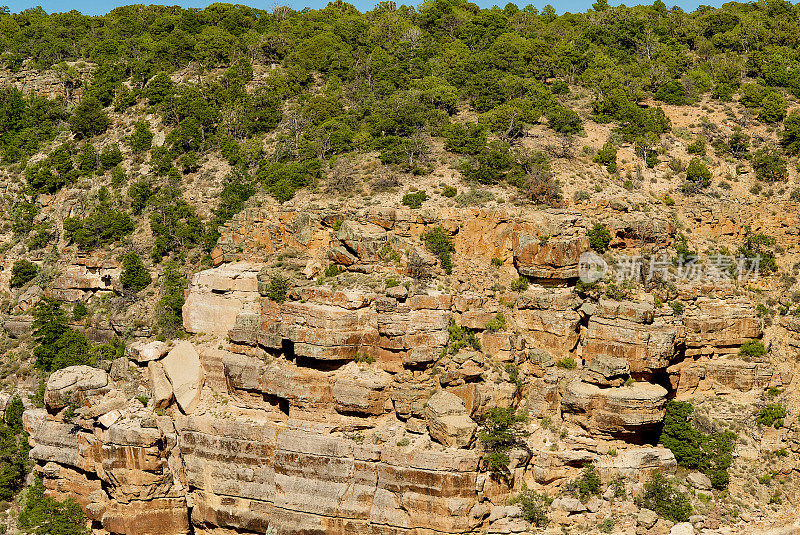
[144,352]
[551,258]
[360,389]
[448,420]
[218,295]
[637,464]
[159,385]
[607,371]
[627,330]
[184,371]
[622,411]
[73,385]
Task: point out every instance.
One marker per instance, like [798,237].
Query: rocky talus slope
[352,403]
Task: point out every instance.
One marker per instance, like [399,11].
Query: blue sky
[98,8]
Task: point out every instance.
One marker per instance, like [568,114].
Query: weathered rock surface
[352,404]
[545,258]
[448,420]
[362,390]
[625,410]
[218,295]
[74,385]
[628,331]
[296,481]
[160,386]
[637,464]
[80,280]
[144,352]
[691,376]
[720,325]
[185,373]
[607,371]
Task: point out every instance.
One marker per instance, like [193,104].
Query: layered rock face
[353,402]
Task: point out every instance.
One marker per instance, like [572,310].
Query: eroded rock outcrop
[353,402]
[625,410]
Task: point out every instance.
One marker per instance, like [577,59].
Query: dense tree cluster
[388,80]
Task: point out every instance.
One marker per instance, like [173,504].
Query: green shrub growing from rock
[752,348]
[661,496]
[711,454]
[135,276]
[585,486]
[607,156]
[599,237]
[414,200]
[58,346]
[534,507]
[439,243]
[22,273]
[278,288]
[43,515]
[772,415]
[501,429]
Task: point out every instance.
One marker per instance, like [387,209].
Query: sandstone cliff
[349,405]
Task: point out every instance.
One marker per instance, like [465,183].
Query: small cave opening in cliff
[287,348]
[661,377]
[282,404]
[323,365]
[642,436]
[546,282]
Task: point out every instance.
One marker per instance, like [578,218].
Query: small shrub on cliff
[135,276]
[43,515]
[142,138]
[534,507]
[772,415]
[414,200]
[607,525]
[769,165]
[332,270]
[661,496]
[461,338]
[607,156]
[89,119]
[170,319]
[440,244]
[568,363]
[520,285]
[497,323]
[697,176]
[752,348]
[278,288]
[110,156]
[585,486]
[698,147]
[79,311]
[22,273]
[599,238]
[501,429]
[14,450]
[363,358]
[711,454]
[58,346]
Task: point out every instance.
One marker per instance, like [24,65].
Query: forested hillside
[139,148]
